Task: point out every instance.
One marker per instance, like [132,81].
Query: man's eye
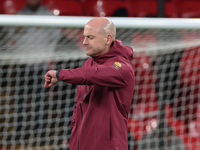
[90,38]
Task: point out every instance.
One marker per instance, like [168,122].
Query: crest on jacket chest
[117,65]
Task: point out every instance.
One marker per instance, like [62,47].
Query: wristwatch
[57,73]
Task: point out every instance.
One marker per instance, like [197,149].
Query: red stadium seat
[45,2]
[144,40]
[189,9]
[143,69]
[171,10]
[192,143]
[190,61]
[143,114]
[64,7]
[143,8]
[177,125]
[187,99]
[192,139]
[137,0]
[2,6]
[149,8]
[144,72]
[185,106]
[190,67]
[86,1]
[142,62]
[194,128]
[143,119]
[13,6]
[103,8]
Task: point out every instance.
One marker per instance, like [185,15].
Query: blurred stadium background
[165,114]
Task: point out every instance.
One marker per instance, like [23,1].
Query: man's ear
[109,39]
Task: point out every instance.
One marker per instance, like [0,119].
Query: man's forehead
[90,29]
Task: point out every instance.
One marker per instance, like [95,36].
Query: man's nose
[85,41]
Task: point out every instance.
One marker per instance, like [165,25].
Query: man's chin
[88,53]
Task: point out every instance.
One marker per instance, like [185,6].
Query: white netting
[165,103]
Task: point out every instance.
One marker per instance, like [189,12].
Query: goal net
[164,112]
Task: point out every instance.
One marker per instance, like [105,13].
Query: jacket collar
[117,49]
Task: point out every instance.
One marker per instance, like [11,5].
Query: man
[34,7]
[104,95]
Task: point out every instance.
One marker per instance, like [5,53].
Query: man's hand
[50,78]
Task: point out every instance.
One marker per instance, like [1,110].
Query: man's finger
[50,84]
[47,75]
[48,79]
[46,84]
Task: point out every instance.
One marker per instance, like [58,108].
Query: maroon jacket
[104,95]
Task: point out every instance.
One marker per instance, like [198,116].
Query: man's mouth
[87,48]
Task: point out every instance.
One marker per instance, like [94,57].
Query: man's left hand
[50,78]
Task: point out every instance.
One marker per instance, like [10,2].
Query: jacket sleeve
[109,75]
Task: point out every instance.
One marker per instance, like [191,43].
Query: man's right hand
[50,78]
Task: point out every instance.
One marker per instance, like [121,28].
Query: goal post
[166,98]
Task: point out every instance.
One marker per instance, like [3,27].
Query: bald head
[103,25]
[99,34]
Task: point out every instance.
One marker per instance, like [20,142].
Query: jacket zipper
[81,114]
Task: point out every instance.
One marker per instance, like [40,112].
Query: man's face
[94,41]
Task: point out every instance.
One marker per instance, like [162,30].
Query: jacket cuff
[57,74]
